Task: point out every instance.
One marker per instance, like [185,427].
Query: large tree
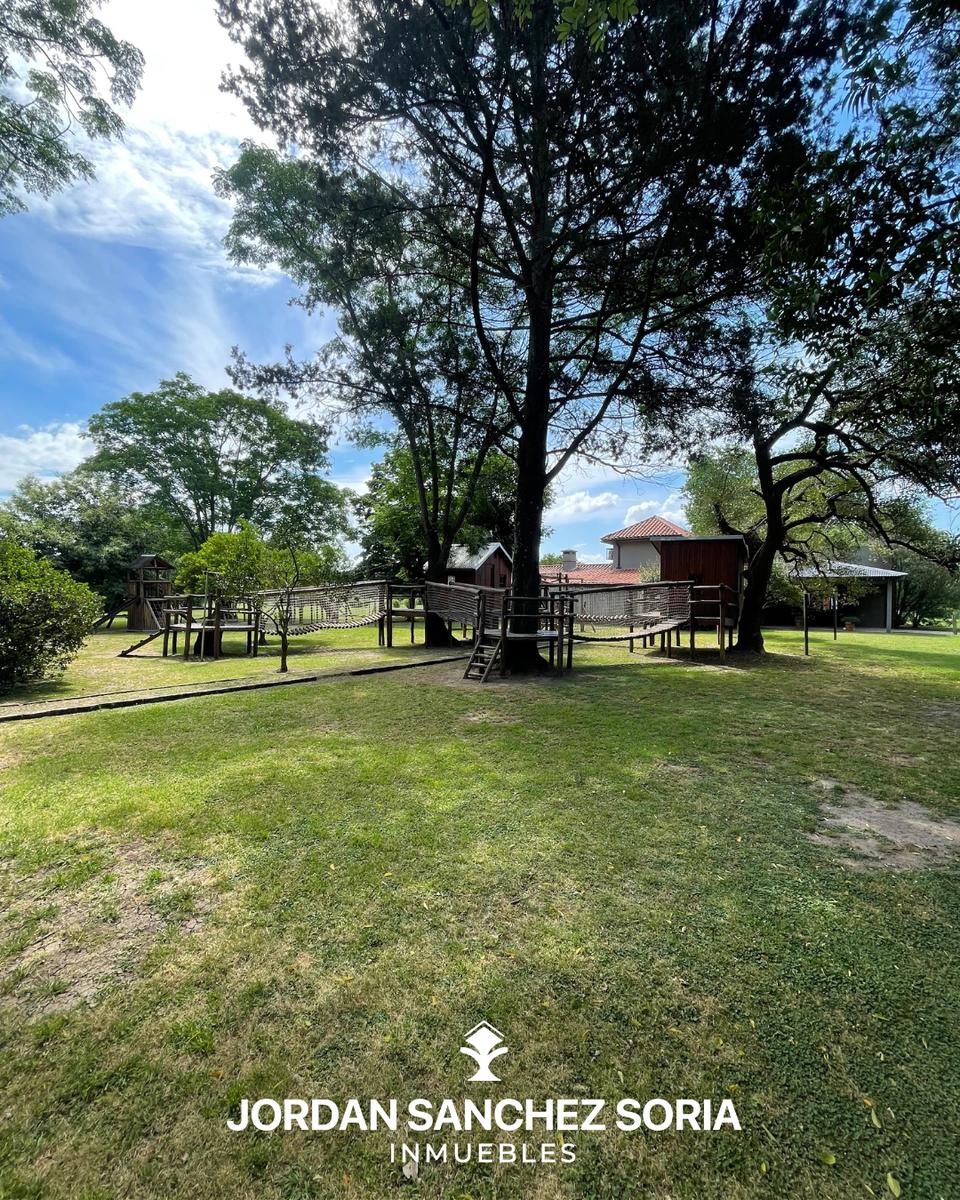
[61,71]
[825,443]
[90,527]
[393,541]
[212,459]
[599,201]
[405,348]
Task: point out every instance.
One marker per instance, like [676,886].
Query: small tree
[284,568]
[233,565]
[44,616]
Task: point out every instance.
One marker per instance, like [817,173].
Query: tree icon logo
[483,1046]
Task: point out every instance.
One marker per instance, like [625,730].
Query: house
[490,566]
[657,549]
[872,608]
[635,548]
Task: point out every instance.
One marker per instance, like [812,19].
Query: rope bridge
[649,608]
[459,602]
[328,606]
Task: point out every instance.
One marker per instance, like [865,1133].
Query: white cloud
[576,505]
[154,188]
[636,512]
[45,452]
[16,346]
[669,507]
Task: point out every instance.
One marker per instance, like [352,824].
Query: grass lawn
[99,670]
[318,890]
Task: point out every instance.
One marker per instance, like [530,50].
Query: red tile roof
[587,573]
[652,527]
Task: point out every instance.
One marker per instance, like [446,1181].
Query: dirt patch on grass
[944,712]
[895,837]
[491,717]
[85,920]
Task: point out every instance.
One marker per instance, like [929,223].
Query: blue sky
[110,286]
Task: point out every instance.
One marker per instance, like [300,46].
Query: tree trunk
[435,631]
[284,649]
[750,629]
[523,657]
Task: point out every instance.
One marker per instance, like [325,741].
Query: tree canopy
[212,459]
[599,202]
[89,526]
[61,70]
[394,544]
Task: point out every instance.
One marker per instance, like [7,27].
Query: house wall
[495,572]
[709,562]
[631,556]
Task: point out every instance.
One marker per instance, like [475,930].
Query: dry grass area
[902,836]
[84,920]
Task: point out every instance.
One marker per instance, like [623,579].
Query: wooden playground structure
[486,618]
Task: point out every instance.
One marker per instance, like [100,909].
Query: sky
[112,285]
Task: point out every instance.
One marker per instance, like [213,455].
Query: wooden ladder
[486,654]
[143,641]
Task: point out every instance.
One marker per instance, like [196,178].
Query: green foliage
[212,459]
[236,564]
[89,526]
[227,564]
[930,592]
[595,16]
[44,616]
[57,59]
[393,540]
[595,204]
[403,349]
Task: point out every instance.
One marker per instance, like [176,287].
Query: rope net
[646,606]
[330,606]
[458,602]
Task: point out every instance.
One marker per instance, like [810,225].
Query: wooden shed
[705,560]
[490,566]
[149,577]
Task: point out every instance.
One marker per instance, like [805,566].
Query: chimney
[569,561]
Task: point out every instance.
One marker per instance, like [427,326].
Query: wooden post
[551,657]
[836,609]
[630,643]
[723,621]
[216,628]
[166,631]
[504,629]
[390,602]
[186,635]
[413,623]
[693,625]
[256,631]
[806,625]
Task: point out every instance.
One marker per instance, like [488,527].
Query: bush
[44,616]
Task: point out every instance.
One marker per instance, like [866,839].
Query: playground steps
[154,633]
[486,654]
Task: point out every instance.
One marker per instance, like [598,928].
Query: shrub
[44,616]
